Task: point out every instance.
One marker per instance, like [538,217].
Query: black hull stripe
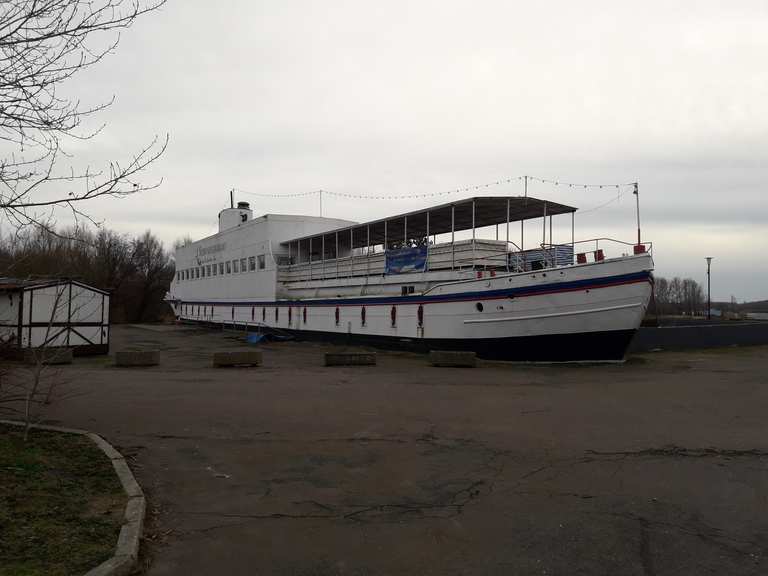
[553,288]
[605,346]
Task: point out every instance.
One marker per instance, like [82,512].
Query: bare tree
[43,44]
[153,270]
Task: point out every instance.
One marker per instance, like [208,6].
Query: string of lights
[471,188]
[289,195]
[579,185]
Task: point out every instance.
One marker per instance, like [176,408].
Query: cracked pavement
[655,467]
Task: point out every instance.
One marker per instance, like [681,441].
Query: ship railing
[490,255]
[594,249]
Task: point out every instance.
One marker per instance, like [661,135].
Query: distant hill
[757,306]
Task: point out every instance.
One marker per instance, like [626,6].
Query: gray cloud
[399,97]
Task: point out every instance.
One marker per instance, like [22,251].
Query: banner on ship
[406,260]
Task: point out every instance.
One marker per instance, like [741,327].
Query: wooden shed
[53,312]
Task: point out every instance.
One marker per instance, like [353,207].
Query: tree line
[679,296]
[137,270]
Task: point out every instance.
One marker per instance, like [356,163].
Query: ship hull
[568,314]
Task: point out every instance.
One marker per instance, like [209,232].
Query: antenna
[636,192]
[232,198]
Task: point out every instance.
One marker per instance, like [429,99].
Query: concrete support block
[49,356]
[132,358]
[350,359]
[453,358]
[130,533]
[238,358]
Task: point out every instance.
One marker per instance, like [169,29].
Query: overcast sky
[404,97]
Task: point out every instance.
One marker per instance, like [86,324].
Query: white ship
[451,277]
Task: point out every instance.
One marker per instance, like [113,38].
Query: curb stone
[127,548]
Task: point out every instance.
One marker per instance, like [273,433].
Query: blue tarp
[406,260]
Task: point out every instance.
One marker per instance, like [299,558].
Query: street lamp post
[709,301]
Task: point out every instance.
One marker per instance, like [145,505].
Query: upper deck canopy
[443,219]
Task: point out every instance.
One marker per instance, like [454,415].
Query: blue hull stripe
[550,288]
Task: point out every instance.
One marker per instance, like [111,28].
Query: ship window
[214,269]
[242,265]
[261,262]
[251,263]
[197,272]
[235,268]
[479,306]
[229,267]
[208,270]
[277,311]
[221,268]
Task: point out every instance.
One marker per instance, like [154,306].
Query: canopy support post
[367,249]
[544,232]
[506,246]
[322,256]
[337,255]
[573,235]
[551,245]
[426,264]
[351,251]
[453,237]
[310,258]
[473,234]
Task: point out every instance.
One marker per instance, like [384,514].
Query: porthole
[479,306]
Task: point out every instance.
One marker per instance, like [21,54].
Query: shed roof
[8,284]
[479,211]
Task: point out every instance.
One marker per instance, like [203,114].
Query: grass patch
[61,504]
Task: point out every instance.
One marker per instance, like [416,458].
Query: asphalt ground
[657,466]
